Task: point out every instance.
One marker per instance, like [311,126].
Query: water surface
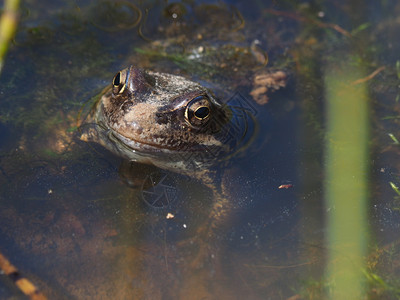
[69,221]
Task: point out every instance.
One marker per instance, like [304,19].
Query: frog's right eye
[118,83]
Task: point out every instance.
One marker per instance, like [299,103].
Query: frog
[155,118]
[167,121]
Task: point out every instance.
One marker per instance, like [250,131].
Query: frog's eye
[118,83]
[198,111]
[117,79]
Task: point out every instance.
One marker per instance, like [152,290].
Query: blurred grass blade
[394,139]
[398,68]
[395,188]
[346,181]
[8,25]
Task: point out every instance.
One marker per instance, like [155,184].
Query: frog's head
[147,114]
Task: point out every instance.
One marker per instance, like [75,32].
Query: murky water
[71,223]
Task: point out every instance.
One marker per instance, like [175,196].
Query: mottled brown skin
[161,119]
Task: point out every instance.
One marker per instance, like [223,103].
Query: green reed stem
[346,182]
[8,26]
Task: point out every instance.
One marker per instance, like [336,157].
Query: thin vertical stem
[8,26]
[346,181]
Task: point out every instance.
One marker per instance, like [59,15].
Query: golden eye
[117,79]
[118,83]
[198,111]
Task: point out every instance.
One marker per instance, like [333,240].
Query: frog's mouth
[137,145]
[163,156]
[140,146]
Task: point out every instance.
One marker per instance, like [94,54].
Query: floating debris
[285,186]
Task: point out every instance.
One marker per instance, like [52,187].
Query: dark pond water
[71,223]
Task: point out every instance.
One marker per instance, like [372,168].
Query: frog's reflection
[158,187]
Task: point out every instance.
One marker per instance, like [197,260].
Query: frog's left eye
[198,111]
[118,83]
[117,79]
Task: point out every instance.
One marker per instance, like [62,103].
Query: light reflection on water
[71,223]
